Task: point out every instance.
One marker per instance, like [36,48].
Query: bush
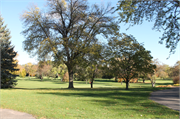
[134,80]
[176,80]
[121,79]
[23,73]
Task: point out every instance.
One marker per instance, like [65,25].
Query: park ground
[108,99]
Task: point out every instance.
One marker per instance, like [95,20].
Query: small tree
[129,57]
[152,78]
[23,73]
[89,63]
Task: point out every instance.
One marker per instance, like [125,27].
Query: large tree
[128,58]
[67,29]
[8,61]
[164,14]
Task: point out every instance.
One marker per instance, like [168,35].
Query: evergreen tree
[7,58]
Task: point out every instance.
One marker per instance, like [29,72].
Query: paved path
[11,114]
[168,97]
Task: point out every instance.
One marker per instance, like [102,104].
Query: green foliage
[8,65]
[23,73]
[88,65]
[165,15]
[128,58]
[68,31]
[59,69]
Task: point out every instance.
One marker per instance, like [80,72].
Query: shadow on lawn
[113,94]
[164,83]
[96,89]
[112,97]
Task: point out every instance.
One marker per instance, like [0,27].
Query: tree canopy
[165,14]
[128,58]
[67,29]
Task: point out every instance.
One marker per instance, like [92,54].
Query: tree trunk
[116,78]
[41,77]
[93,76]
[153,84]
[70,78]
[143,80]
[92,83]
[86,81]
[29,76]
[127,84]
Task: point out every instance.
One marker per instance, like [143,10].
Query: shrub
[176,80]
[121,79]
[134,80]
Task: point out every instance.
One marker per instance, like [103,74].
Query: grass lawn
[108,99]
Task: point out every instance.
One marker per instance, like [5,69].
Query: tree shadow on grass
[103,92]
[164,83]
[142,89]
[105,80]
[112,97]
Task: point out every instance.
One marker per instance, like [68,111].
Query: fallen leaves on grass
[164,86]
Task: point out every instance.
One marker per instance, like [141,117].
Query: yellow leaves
[64,3]
[37,8]
[90,18]
[23,73]
[164,86]
[33,12]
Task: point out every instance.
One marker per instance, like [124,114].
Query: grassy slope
[51,99]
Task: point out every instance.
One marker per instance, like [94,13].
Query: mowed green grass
[108,99]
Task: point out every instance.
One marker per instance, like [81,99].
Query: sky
[11,11]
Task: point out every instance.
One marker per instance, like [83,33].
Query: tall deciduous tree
[8,63]
[67,29]
[129,57]
[165,14]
